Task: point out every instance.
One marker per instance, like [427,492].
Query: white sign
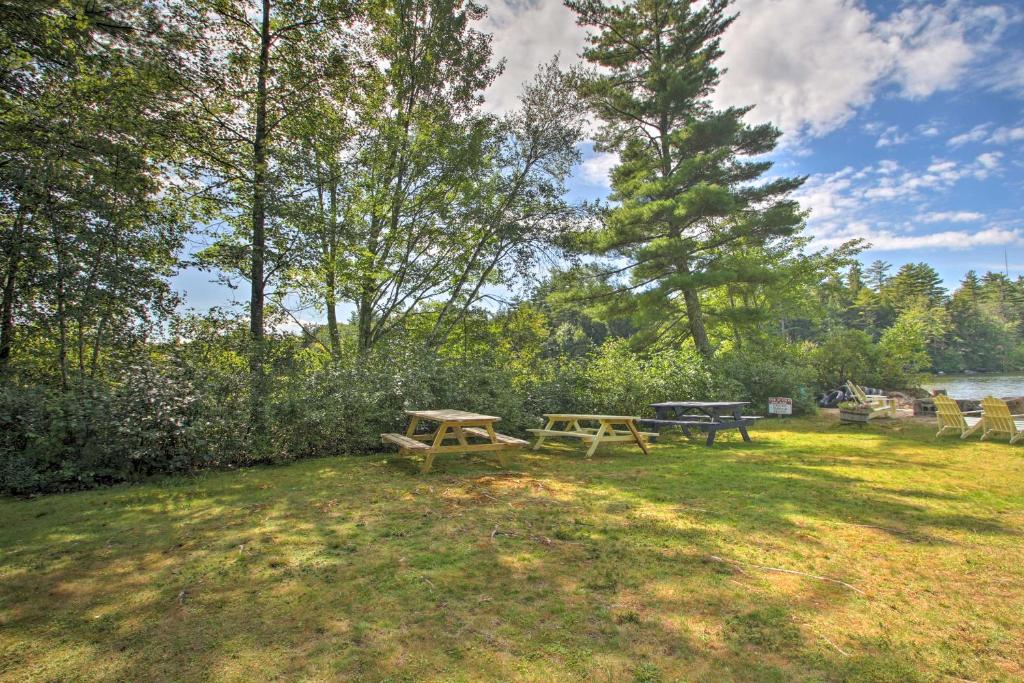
[780,406]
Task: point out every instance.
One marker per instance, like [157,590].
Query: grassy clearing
[558,569]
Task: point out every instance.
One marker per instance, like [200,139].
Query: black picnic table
[707,416]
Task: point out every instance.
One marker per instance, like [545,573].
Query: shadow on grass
[361,569]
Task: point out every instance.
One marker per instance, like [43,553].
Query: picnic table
[709,417]
[608,430]
[473,432]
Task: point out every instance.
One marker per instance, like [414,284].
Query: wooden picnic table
[606,432]
[459,425]
[707,416]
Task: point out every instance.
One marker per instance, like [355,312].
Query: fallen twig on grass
[536,538]
[780,570]
[836,647]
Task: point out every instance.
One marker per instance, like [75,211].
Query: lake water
[977,386]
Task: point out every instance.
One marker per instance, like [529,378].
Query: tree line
[334,155]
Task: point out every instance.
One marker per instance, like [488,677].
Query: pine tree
[855,280]
[686,189]
[878,274]
[970,288]
[914,282]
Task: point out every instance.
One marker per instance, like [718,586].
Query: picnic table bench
[709,417]
[455,425]
[608,430]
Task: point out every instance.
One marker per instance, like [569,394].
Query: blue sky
[908,118]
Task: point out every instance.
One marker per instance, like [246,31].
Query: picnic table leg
[597,438]
[711,437]
[540,439]
[502,455]
[743,432]
[412,426]
[639,439]
[428,459]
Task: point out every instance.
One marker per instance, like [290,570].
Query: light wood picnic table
[606,432]
[458,425]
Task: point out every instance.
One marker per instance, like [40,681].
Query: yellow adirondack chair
[952,419]
[995,415]
[880,405]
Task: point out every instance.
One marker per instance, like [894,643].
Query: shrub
[781,370]
[94,433]
[846,355]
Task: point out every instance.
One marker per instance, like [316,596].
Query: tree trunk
[10,291]
[365,318]
[695,317]
[330,282]
[696,320]
[330,303]
[62,321]
[259,217]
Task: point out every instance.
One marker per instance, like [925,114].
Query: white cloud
[882,239]
[1006,74]
[976,134]
[989,161]
[934,45]
[928,130]
[528,33]
[888,166]
[1004,135]
[950,217]
[809,66]
[806,65]
[941,166]
[597,169]
[892,137]
[868,203]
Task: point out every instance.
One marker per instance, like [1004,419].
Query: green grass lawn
[556,569]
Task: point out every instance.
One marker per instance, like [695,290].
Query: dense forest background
[337,156]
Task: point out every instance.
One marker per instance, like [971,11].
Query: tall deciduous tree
[263,61]
[413,195]
[687,187]
[88,227]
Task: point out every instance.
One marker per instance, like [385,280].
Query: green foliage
[903,348]
[97,433]
[847,355]
[619,380]
[687,190]
[341,154]
[778,369]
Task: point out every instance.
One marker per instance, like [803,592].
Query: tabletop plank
[570,416]
[451,416]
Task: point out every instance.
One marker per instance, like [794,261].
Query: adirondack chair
[995,415]
[952,419]
[880,405]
